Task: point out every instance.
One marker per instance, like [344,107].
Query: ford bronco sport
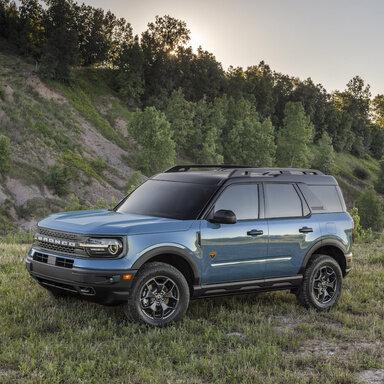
[199,231]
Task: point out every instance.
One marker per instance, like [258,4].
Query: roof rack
[188,167]
[244,170]
[275,172]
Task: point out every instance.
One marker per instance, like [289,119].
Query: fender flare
[322,243]
[179,251]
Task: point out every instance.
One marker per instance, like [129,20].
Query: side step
[249,286]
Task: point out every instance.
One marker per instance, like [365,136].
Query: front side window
[242,199]
[282,200]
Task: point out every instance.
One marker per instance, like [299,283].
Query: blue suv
[199,231]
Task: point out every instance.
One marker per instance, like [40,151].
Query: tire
[322,283]
[160,295]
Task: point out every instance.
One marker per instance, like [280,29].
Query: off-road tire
[306,294]
[156,270]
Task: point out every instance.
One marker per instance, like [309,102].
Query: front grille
[58,234]
[48,239]
[65,263]
[56,247]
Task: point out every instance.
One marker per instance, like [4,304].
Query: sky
[328,40]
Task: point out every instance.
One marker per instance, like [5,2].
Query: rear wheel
[322,283]
[160,295]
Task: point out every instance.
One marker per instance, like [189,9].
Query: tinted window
[168,199]
[282,201]
[328,197]
[242,199]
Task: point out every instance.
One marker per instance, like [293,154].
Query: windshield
[170,199]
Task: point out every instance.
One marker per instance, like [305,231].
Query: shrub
[380,182]
[370,206]
[360,235]
[58,179]
[5,154]
[361,173]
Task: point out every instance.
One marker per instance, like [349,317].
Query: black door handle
[305,230]
[255,232]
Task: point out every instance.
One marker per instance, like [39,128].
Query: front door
[235,252]
[292,230]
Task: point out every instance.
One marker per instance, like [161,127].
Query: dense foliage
[212,112]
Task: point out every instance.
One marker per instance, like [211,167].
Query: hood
[104,222]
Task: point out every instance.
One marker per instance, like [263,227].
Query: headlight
[103,247]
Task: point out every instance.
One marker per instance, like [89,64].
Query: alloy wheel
[324,287]
[159,297]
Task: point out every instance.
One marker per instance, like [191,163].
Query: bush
[5,154]
[360,235]
[380,182]
[370,206]
[58,179]
[361,173]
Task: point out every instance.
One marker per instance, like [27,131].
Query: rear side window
[242,199]
[282,200]
[323,198]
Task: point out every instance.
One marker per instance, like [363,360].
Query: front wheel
[322,282]
[160,295]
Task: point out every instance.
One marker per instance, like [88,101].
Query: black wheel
[160,295]
[322,282]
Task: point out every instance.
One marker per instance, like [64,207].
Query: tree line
[253,115]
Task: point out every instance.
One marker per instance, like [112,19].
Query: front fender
[170,249]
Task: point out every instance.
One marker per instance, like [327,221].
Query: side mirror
[223,216]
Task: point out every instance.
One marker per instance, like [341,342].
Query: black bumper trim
[103,286]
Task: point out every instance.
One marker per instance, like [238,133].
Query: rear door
[292,229]
[235,252]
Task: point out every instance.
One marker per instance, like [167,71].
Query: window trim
[209,209]
[301,198]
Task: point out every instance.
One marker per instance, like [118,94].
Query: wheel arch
[177,257]
[330,247]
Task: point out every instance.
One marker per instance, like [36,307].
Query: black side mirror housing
[223,216]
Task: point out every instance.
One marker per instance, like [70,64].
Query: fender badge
[212,254]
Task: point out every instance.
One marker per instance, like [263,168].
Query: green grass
[266,338]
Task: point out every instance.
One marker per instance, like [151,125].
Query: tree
[9,19]
[129,79]
[209,120]
[380,182]
[370,207]
[378,110]
[61,48]
[5,154]
[31,28]
[152,132]
[246,138]
[294,137]
[324,154]
[180,113]
[165,35]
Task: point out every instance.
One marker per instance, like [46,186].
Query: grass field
[266,338]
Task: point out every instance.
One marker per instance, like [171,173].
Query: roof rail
[244,170]
[188,167]
[275,171]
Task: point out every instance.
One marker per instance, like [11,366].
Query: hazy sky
[328,40]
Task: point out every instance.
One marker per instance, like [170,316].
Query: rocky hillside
[83,126]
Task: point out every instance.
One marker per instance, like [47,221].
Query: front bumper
[102,286]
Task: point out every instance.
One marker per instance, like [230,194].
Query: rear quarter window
[323,198]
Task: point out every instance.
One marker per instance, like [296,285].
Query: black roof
[216,174]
